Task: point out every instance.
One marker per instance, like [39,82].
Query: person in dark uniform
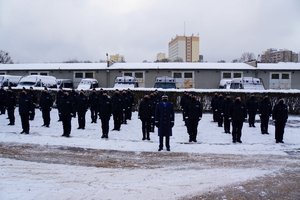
[126,106]
[280,116]
[81,108]
[104,110]
[265,109]
[130,104]
[154,100]
[213,104]
[59,97]
[219,110]
[46,102]
[164,121]
[183,103]
[67,112]
[193,116]
[238,114]
[33,100]
[93,102]
[117,110]
[2,100]
[25,109]
[226,113]
[10,103]
[252,107]
[145,114]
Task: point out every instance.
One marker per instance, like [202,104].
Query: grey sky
[60,30]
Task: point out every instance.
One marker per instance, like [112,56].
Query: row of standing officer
[237,111]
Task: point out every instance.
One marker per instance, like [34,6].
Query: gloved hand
[172,124]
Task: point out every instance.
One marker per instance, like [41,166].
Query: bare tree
[5,58]
[247,56]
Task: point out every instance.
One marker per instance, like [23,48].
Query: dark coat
[265,107]
[46,101]
[105,107]
[238,111]
[226,107]
[145,109]
[252,105]
[117,103]
[93,100]
[10,99]
[280,112]
[164,118]
[81,103]
[194,110]
[25,104]
[67,106]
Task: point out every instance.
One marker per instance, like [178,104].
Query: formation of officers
[153,111]
[227,111]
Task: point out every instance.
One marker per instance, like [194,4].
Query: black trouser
[146,127]
[46,116]
[226,124]
[220,119]
[117,116]
[237,130]
[11,115]
[161,142]
[152,124]
[105,125]
[32,114]
[25,122]
[81,119]
[264,123]
[128,113]
[59,113]
[279,130]
[94,115]
[215,113]
[251,118]
[193,128]
[66,121]
[2,109]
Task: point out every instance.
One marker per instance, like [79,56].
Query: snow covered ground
[32,180]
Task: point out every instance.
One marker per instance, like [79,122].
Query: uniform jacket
[117,103]
[238,111]
[67,106]
[25,104]
[280,112]
[46,101]
[145,109]
[194,110]
[164,118]
[10,99]
[265,108]
[105,107]
[81,103]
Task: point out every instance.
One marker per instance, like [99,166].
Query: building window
[177,75]
[39,73]
[275,76]
[285,76]
[230,75]
[80,75]
[237,75]
[89,75]
[139,75]
[226,75]
[188,75]
[128,74]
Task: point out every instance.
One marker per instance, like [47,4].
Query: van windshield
[27,83]
[165,85]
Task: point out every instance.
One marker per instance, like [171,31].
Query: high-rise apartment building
[117,58]
[184,49]
[276,56]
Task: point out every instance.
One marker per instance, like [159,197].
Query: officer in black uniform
[265,109]
[25,109]
[81,108]
[213,104]
[67,112]
[2,100]
[252,107]
[219,110]
[104,110]
[154,100]
[46,102]
[59,97]
[117,110]
[93,102]
[226,114]
[280,116]
[145,114]
[126,107]
[33,103]
[130,104]
[193,116]
[10,103]
[238,114]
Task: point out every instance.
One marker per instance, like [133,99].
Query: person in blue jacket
[164,121]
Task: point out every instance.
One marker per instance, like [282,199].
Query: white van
[126,82]
[9,80]
[248,83]
[37,81]
[225,83]
[64,83]
[87,84]
[165,82]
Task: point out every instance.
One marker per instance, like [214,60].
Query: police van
[165,82]
[9,80]
[249,83]
[87,84]
[126,82]
[37,81]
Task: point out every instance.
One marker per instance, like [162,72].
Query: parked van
[87,84]
[9,80]
[165,82]
[37,81]
[64,83]
[225,83]
[126,82]
[247,83]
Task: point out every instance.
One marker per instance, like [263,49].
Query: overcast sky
[59,30]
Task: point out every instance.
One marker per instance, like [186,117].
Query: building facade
[276,56]
[184,49]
